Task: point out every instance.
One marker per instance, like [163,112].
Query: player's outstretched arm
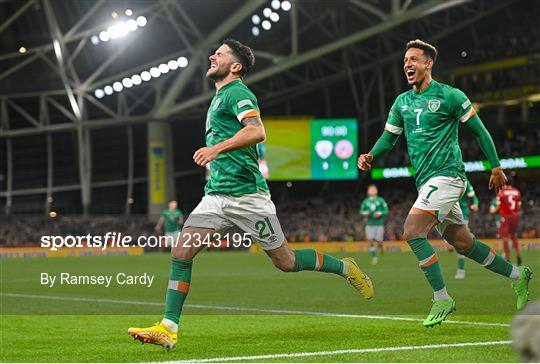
[251,134]
[383,145]
[498,178]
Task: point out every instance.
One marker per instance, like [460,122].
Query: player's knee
[284,265]
[411,233]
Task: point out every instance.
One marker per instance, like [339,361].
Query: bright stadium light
[118,30]
[104,36]
[108,90]
[255,19]
[286,5]
[266,25]
[154,72]
[117,86]
[274,17]
[163,68]
[131,25]
[172,65]
[267,12]
[136,79]
[141,21]
[99,93]
[146,76]
[128,12]
[255,31]
[182,62]
[94,39]
[275,4]
[127,82]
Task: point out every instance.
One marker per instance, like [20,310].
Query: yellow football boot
[358,279]
[157,335]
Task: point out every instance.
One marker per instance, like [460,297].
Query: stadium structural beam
[370,8]
[291,62]
[223,29]
[16,14]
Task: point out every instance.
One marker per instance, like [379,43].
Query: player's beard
[217,75]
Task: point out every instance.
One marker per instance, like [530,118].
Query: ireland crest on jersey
[433,105]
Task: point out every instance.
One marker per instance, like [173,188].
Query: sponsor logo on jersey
[466,104]
[243,103]
[434,105]
[404,107]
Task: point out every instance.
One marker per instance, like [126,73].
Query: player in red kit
[509,201]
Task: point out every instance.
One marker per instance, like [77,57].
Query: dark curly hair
[428,49]
[243,55]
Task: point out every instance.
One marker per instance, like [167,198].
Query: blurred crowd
[333,216]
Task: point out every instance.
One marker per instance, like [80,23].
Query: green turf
[51,329]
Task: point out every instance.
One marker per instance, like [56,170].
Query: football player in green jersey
[236,195]
[430,114]
[375,209]
[172,219]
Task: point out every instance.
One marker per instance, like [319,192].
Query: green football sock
[178,288]
[373,251]
[310,259]
[461,262]
[429,262]
[481,253]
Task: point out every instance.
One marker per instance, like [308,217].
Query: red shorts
[509,226]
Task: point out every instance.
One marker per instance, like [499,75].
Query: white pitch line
[250,309]
[337,352]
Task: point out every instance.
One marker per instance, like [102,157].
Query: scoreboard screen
[309,149]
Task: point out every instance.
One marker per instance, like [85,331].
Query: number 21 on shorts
[263,226]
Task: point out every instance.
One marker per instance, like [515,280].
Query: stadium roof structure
[50,66]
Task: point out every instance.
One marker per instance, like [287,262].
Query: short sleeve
[460,107]
[243,104]
[394,123]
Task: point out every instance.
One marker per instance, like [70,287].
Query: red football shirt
[509,201]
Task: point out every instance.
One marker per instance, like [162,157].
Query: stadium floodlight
[118,30]
[141,21]
[104,36]
[136,79]
[267,12]
[146,76]
[274,17]
[99,93]
[182,62]
[276,4]
[255,19]
[117,86]
[172,65]
[128,12]
[131,25]
[94,39]
[108,90]
[154,72]
[255,31]
[127,82]
[266,25]
[22,50]
[163,68]
[286,5]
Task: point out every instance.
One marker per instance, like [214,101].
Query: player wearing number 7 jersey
[236,195]
[430,114]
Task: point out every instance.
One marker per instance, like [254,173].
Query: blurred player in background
[172,219]
[375,209]
[509,205]
[236,195]
[430,114]
[263,164]
[494,210]
[468,202]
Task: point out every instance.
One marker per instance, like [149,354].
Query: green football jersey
[172,220]
[469,195]
[431,121]
[237,172]
[497,218]
[373,205]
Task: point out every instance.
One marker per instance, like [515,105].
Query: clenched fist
[364,161]
[205,155]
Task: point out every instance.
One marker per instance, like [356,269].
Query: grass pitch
[240,308]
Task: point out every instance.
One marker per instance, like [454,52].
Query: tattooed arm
[252,133]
